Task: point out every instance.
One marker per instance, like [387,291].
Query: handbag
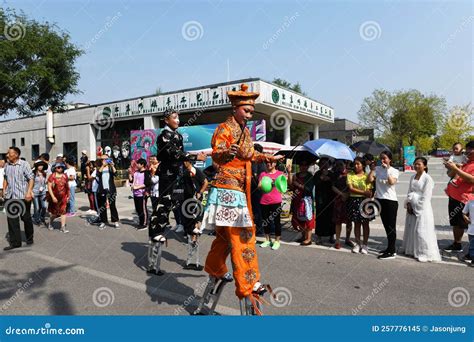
[304,211]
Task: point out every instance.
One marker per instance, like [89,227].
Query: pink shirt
[459,189]
[274,196]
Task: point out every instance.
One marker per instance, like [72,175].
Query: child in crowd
[141,184]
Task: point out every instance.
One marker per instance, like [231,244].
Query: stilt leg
[213,292]
[154,258]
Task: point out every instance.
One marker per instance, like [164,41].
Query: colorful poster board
[409,153]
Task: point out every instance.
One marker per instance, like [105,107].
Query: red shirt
[460,189]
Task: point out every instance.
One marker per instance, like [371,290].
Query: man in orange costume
[229,201]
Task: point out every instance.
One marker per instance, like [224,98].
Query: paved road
[102,272]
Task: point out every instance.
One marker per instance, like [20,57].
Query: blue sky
[140,46]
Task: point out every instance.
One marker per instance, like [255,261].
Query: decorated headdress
[148,136]
[168,112]
[242,97]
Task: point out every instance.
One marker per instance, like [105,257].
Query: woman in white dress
[419,239]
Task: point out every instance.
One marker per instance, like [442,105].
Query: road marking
[224,310]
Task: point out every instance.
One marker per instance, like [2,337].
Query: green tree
[37,68]
[415,115]
[376,112]
[457,126]
[402,117]
[424,145]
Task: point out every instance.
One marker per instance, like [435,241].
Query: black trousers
[388,214]
[140,208]
[271,213]
[102,200]
[160,217]
[154,203]
[17,209]
[192,213]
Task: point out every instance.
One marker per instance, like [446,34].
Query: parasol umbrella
[298,154]
[330,148]
[372,147]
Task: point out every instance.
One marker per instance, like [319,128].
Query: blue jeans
[39,203]
[471,246]
[72,200]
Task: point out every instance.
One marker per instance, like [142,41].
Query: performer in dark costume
[171,156]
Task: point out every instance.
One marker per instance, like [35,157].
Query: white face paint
[108,151]
[116,153]
[124,153]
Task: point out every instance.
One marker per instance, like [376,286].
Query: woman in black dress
[324,200]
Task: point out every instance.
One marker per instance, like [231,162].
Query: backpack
[304,211]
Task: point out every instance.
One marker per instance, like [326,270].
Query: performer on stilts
[170,171]
[228,208]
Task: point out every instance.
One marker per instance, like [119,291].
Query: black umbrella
[372,147]
[298,154]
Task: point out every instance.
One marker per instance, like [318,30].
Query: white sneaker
[102,226]
[356,248]
[257,286]
[364,249]
[197,231]
[116,225]
[159,238]
[179,228]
